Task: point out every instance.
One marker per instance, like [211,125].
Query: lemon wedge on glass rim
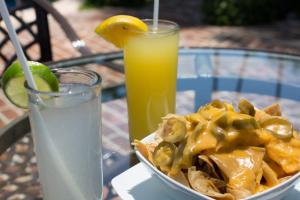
[117,29]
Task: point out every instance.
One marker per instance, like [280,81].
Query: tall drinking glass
[67,139]
[151,71]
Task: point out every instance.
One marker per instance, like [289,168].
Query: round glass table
[203,74]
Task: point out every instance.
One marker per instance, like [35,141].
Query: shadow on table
[293,193]
[114,164]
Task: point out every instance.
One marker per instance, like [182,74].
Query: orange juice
[151,71]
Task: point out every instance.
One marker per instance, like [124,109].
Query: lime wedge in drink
[13,82]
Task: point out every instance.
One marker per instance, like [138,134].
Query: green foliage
[296,7]
[242,12]
[124,3]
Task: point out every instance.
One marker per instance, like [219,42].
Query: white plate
[277,192]
[137,183]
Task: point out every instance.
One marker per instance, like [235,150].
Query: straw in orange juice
[150,56]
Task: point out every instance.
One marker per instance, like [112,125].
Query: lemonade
[151,70]
[67,137]
[68,148]
[65,116]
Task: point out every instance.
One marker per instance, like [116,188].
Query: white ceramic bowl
[277,192]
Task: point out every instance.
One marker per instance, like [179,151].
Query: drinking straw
[14,39]
[20,54]
[155,14]
[59,164]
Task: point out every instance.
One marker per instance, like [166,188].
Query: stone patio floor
[281,36]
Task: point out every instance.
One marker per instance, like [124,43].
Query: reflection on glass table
[203,74]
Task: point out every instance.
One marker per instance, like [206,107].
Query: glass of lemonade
[151,71]
[66,132]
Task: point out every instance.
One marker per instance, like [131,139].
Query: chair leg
[13,132]
[43,33]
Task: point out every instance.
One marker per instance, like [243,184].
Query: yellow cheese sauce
[226,153]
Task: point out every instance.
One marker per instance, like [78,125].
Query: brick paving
[281,36]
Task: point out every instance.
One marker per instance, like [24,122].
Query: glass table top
[203,74]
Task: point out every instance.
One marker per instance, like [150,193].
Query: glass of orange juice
[151,72]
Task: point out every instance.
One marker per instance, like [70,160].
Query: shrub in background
[296,7]
[243,12]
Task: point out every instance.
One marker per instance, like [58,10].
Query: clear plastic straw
[14,39]
[59,163]
[13,36]
[155,14]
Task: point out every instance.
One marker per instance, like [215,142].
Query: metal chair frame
[42,9]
